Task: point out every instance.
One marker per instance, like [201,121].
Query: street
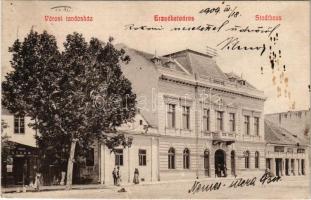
[287,188]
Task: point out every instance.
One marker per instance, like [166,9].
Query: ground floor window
[171,158]
[142,157]
[119,157]
[90,157]
[246,159]
[186,159]
[256,159]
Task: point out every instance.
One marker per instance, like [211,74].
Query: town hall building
[194,121]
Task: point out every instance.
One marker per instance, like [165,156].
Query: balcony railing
[226,137]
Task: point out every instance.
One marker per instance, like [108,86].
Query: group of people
[117,177]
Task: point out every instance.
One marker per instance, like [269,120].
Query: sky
[112,18]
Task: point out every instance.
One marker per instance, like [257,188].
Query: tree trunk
[70,164]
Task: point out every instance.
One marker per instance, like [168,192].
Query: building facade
[193,121]
[286,154]
[200,121]
[21,163]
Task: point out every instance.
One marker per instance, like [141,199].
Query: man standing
[118,176]
[114,175]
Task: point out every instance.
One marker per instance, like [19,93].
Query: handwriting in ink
[233,43]
[198,187]
[233,12]
[267,178]
[62,8]
[240,182]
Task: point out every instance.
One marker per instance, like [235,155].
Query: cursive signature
[266,178]
[233,43]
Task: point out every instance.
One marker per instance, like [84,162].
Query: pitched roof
[277,135]
[234,77]
[198,63]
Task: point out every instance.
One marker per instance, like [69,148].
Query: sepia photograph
[155,99]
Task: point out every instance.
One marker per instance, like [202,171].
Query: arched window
[186,158]
[256,159]
[246,159]
[171,158]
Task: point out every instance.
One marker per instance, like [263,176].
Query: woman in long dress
[136,176]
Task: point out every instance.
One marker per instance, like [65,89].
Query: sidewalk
[102,186]
[52,188]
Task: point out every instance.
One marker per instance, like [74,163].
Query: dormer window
[232,79]
[170,64]
[242,82]
[156,60]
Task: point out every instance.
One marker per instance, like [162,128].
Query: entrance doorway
[220,163]
[206,162]
[268,163]
[21,170]
[233,163]
[278,166]
[286,167]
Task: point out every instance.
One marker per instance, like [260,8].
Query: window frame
[186,117]
[171,158]
[219,120]
[171,116]
[142,157]
[90,162]
[119,157]
[232,122]
[19,124]
[256,126]
[206,119]
[247,158]
[257,160]
[246,124]
[186,158]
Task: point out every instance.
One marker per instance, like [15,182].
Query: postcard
[155,99]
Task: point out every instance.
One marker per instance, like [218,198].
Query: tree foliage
[78,94]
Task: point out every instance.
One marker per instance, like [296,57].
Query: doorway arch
[220,163]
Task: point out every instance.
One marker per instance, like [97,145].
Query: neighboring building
[21,164]
[296,122]
[286,154]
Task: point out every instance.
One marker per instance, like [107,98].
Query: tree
[78,95]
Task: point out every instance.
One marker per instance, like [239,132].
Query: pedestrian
[37,181]
[136,176]
[114,175]
[225,171]
[218,170]
[118,176]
